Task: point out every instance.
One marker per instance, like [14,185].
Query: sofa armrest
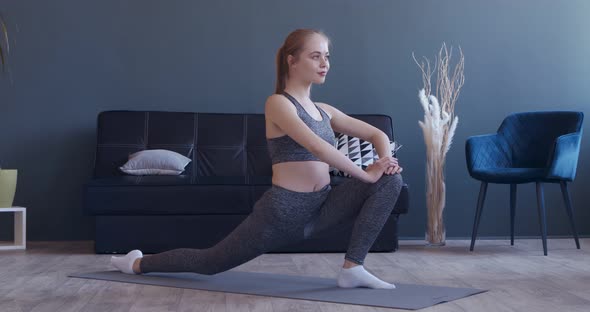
[402,204]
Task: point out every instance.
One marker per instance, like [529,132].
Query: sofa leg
[542,215]
[512,211]
[480,199]
[568,207]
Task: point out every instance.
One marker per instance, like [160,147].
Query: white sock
[357,276]
[125,263]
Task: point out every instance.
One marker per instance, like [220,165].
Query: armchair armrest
[563,158]
[487,151]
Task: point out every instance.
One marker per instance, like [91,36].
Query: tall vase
[435,201]
[7,187]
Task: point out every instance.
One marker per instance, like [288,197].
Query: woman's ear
[291,60]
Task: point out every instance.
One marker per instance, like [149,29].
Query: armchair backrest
[530,136]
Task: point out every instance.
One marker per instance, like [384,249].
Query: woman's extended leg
[276,220]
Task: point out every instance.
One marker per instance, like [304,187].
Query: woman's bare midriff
[301,176]
[298,176]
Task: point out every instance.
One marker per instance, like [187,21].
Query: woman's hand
[394,169]
[380,166]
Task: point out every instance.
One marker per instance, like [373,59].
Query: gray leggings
[282,216]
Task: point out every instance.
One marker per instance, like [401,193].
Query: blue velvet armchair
[540,147]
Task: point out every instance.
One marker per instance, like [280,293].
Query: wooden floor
[519,277]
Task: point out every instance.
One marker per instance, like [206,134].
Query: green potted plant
[7,176]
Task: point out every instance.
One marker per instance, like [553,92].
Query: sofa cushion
[167,199]
[164,195]
[224,148]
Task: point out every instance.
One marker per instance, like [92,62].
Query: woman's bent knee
[395,178]
[387,183]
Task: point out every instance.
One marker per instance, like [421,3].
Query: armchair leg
[542,215]
[480,199]
[512,211]
[568,207]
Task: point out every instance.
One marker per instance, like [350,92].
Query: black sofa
[229,171]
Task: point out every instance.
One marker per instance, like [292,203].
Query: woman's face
[313,61]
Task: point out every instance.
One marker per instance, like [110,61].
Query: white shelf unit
[20,228]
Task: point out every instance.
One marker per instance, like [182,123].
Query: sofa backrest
[225,148]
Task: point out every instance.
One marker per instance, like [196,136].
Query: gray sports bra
[284,148]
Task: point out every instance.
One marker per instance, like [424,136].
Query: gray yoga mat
[405,296]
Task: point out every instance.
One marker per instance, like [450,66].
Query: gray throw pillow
[155,162]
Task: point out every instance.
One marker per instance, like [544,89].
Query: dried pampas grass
[438,128]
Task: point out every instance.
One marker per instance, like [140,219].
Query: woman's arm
[343,123]
[357,128]
[381,143]
[284,115]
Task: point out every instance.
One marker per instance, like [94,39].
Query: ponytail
[282,70]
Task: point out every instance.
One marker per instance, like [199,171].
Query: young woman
[301,203]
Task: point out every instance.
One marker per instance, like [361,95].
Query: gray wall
[72,59]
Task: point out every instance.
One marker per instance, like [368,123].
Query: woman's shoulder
[276,104]
[275,97]
[327,108]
